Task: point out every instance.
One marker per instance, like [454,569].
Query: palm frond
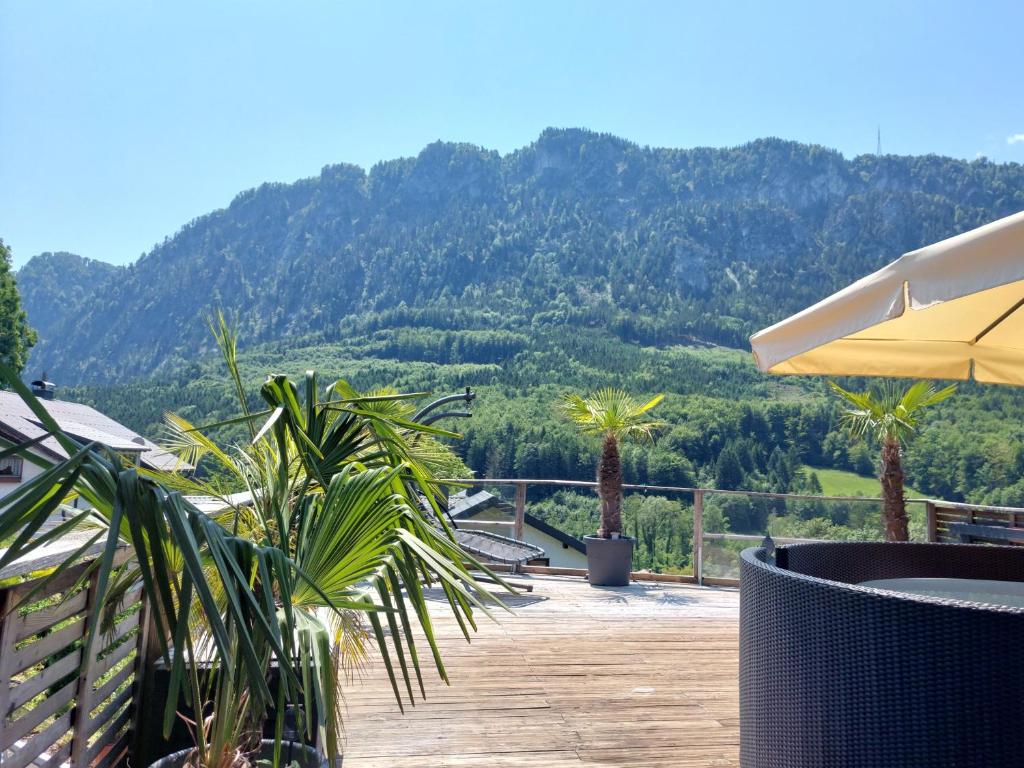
[888,413]
[614,412]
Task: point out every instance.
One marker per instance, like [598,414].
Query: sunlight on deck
[644,675]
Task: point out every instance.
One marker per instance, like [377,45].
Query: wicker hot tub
[837,674]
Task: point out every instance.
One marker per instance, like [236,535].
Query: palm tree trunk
[609,487]
[894,509]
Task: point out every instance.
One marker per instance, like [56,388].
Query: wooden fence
[940,515]
[64,704]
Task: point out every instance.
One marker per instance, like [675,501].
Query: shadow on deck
[644,675]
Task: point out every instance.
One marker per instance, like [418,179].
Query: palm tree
[891,416]
[338,537]
[613,415]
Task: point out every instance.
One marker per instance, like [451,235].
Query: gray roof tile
[83,423]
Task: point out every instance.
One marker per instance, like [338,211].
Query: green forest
[580,261]
[728,427]
[578,230]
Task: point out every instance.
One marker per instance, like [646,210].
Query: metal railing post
[698,535]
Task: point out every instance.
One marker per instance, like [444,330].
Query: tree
[16,337]
[728,470]
[668,468]
[614,415]
[860,459]
[338,530]
[890,416]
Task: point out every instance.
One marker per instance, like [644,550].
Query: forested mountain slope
[56,286]
[657,246]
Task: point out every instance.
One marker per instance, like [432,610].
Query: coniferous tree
[16,337]
[728,470]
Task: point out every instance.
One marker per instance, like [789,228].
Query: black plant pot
[609,560]
[149,720]
[303,755]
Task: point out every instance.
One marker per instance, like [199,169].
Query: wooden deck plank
[638,676]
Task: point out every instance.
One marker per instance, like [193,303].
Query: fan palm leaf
[330,544]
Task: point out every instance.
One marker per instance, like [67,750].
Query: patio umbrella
[951,310]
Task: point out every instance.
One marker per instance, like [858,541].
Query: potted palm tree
[890,416]
[612,415]
[260,608]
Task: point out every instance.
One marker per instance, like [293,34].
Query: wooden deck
[638,676]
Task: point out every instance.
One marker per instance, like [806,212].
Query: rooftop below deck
[638,675]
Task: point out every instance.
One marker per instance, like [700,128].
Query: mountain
[55,286]
[652,245]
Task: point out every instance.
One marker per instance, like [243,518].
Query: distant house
[473,510]
[19,425]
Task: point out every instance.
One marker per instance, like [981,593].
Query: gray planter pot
[302,754]
[609,560]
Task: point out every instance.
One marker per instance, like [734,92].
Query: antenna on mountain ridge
[878,148]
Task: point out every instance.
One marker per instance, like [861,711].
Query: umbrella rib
[991,326]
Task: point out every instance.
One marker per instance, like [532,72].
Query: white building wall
[28,471]
[559,555]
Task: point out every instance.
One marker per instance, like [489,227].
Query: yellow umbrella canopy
[951,310]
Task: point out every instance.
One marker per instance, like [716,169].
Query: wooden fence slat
[35,622]
[110,709]
[55,758]
[35,652]
[109,735]
[125,626]
[80,738]
[28,722]
[107,689]
[931,533]
[104,666]
[7,601]
[62,583]
[132,598]
[29,689]
[117,751]
[39,743]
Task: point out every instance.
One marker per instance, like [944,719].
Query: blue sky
[120,121]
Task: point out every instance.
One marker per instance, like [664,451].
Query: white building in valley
[479,510]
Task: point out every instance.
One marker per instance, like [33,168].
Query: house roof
[464,505]
[209,505]
[19,424]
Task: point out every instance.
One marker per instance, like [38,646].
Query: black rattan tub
[833,674]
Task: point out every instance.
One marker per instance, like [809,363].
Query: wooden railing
[940,515]
[62,703]
[696,495]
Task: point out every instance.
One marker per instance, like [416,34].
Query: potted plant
[891,416]
[259,608]
[613,415]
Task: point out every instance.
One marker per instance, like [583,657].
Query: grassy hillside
[839,482]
